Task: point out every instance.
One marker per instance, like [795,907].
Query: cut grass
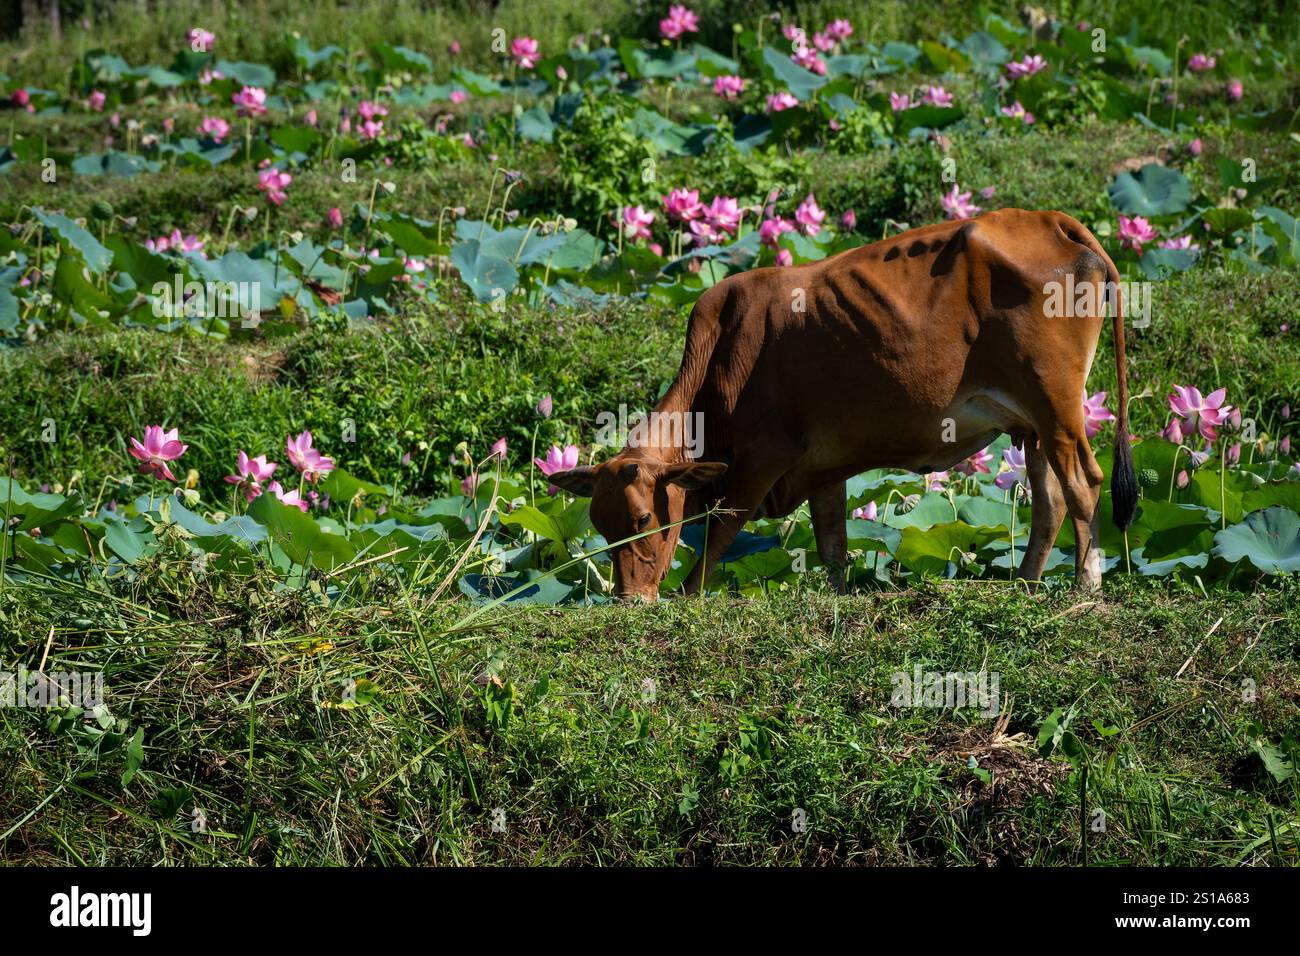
[689,732]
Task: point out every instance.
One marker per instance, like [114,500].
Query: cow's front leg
[828,506]
[721,530]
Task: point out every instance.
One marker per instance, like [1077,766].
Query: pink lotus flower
[683,205]
[636,223]
[207,76]
[498,449]
[1234,453]
[23,100]
[680,20]
[935,480]
[1183,479]
[958,205]
[287,497]
[1017,111]
[723,214]
[273,183]
[784,258]
[524,50]
[250,473]
[728,86]
[1133,232]
[778,102]
[839,29]
[848,220]
[1095,413]
[1234,90]
[1200,63]
[158,448]
[1197,414]
[469,485]
[867,512]
[1026,67]
[1181,242]
[976,464]
[250,101]
[96,100]
[809,59]
[936,96]
[307,459]
[371,129]
[335,218]
[454,47]
[459,96]
[545,406]
[704,233]
[771,229]
[557,459]
[1194,147]
[371,110]
[824,42]
[1014,473]
[988,192]
[809,216]
[200,40]
[176,241]
[899,101]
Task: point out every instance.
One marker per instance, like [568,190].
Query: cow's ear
[693,474]
[579,481]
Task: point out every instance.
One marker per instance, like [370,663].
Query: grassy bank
[685,733]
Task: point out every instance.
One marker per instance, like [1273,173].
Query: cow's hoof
[1088,577]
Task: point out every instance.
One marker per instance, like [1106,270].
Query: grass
[686,733]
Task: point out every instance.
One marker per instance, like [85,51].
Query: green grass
[230,682]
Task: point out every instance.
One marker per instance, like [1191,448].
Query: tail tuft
[1123,483]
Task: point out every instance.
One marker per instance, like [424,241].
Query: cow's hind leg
[1048,512]
[828,507]
[1067,450]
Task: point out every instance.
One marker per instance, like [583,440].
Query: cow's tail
[1123,479]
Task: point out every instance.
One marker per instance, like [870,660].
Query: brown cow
[810,374]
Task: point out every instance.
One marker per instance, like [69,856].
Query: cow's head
[631,495]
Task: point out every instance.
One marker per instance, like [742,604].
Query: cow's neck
[668,434]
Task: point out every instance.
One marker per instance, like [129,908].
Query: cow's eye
[643,522]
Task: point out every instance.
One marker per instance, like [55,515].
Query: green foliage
[602,162]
